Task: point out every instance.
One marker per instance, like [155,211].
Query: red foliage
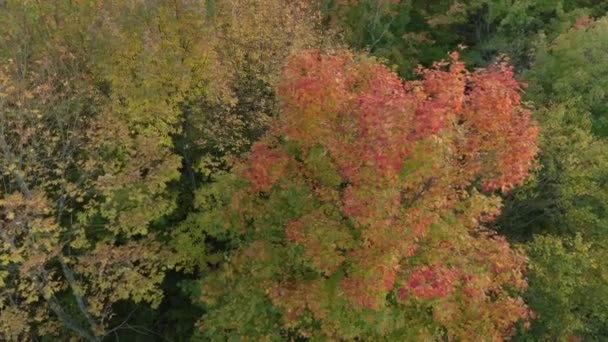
[410,156]
[369,119]
[429,281]
[266,167]
[583,22]
[498,142]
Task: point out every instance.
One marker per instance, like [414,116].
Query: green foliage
[378,26]
[568,194]
[410,32]
[571,68]
[567,289]
[566,206]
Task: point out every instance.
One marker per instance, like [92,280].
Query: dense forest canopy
[294,170]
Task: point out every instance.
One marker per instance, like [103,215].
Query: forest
[304,170]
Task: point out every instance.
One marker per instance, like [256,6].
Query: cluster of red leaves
[500,132]
[498,141]
[457,130]
[369,120]
[266,167]
[583,22]
[428,282]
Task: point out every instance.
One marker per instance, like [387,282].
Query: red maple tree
[399,178]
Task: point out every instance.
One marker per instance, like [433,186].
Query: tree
[360,215]
[568,69]
[412,32]
[376,26]
[561,216]
[251,41]
[90,97]
[568,290]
